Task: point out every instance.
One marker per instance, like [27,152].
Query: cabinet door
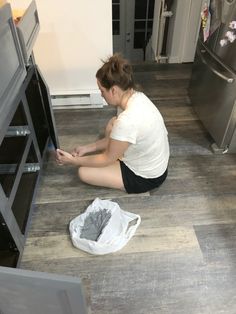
[39,104]
[48,109]
[12,69]
[27,29]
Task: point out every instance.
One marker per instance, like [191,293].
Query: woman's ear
[114,90]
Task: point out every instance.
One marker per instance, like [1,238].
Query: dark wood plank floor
[182,258]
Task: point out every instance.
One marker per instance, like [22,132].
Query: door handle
[128,38]
[201,53]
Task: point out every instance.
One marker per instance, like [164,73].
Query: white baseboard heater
[78,100]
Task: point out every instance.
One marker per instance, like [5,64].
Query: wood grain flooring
[182,258]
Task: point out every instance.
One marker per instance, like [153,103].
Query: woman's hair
[116,71]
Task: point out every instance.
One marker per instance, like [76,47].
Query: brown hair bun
[116,71]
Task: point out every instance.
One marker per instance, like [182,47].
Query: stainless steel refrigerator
[212,87]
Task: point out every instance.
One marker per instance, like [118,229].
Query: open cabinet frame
[26,127]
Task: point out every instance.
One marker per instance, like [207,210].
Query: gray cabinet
[26,127]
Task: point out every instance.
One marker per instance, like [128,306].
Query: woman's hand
[63,158]
[114,151]
[79,151]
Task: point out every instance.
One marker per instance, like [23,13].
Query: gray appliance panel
[27,292]
[223,13]
[213,96]
[12,68]
[28,29]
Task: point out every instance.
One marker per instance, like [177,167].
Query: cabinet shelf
[11,168]
[11,152]
[22,130]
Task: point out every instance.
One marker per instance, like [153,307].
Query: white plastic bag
[117,227]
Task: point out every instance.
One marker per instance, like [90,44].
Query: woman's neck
[125,96]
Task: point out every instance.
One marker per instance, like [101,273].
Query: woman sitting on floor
[134,154]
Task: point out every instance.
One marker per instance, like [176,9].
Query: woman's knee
[88,175]
[82,173]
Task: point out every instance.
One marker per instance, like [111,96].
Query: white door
[132,27]
[118,25]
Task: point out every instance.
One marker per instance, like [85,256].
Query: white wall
[74,36]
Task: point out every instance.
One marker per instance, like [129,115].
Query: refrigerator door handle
[203,50]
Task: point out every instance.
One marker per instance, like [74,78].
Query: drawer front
[12,68]
[28,29]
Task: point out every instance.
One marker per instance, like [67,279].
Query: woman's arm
[99,145]
[115,150]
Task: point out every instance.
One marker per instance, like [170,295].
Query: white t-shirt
[142,125]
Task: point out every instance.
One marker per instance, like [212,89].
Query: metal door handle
[215,71]
[224,77]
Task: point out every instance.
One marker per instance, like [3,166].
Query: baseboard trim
[83,100]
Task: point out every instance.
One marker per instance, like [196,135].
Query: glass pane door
[132,27]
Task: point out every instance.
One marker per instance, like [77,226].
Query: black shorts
[136,184]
